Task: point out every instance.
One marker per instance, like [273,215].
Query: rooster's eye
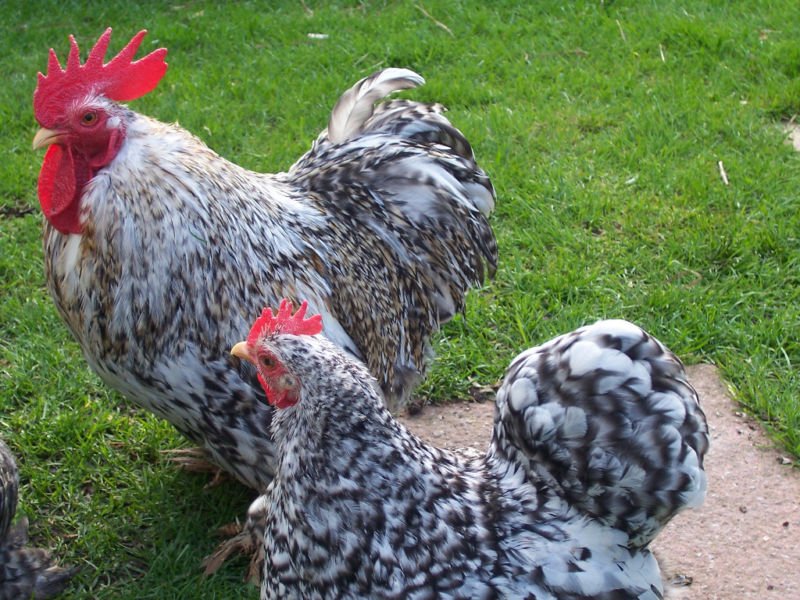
[89,118]
[267,362]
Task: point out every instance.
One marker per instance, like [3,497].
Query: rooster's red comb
[121,79]
[283,321]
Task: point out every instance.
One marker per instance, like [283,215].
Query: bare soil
[743,543]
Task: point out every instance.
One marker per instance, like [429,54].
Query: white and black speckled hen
[25,573]
[598,442]
[157,248]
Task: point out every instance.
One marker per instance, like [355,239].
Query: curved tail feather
[356,105]
[408,204]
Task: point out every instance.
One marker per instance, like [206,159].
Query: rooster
[24,572]
[154,244]
[598,442]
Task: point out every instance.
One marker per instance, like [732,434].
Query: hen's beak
[45,137]
[240,351]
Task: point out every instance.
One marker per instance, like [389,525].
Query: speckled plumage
[382,228]
[25,573]
[598,441]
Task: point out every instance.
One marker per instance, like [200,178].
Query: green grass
[601,124]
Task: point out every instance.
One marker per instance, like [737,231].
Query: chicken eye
[267,362]
[89,118]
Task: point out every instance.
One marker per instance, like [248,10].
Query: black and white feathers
[606,416]
[25,573]
[598,441]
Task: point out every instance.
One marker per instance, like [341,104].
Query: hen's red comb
[121,79]
[283,321]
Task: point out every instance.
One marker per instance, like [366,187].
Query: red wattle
[282,400]
[61,182]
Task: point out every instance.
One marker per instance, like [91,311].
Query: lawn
[641,170]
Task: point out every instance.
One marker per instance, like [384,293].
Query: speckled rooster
[598,442]
[25,573]
[156,248]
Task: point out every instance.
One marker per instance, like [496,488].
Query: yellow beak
[240,351]
[45,137]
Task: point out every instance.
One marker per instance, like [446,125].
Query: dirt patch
[744,542]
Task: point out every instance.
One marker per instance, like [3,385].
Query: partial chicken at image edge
[25,572]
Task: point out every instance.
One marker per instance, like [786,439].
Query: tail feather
[414,204]
[606,418]
[356,105]
[423,123]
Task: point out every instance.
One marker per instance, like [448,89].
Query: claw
[241,541]
[195,460]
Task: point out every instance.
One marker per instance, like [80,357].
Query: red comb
[283,321]
[121,79]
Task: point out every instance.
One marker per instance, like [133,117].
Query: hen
[154,243]
[24,572]
[598,442]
